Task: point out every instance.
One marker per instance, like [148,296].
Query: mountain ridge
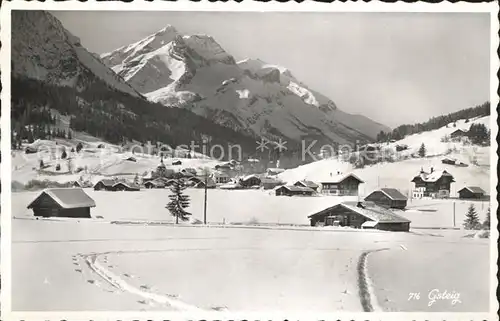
[195,72]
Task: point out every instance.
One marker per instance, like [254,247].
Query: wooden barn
[293,191]
[341,185]
[125,186]
[388,197]
[249,181]
[62,202]
[356,214]
[309,184]
[104,185]
[471,192]
[435,184]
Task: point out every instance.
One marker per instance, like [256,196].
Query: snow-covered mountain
[43,50]
[195,72]
[52,71]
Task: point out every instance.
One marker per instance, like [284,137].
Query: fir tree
[487,222]
[178,201]
[471,221]
[137,180]
[422,151]
[64,154]
[79,147]
[42,165]
[70,165]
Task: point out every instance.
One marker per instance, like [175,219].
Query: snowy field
[178,268]
[248,207]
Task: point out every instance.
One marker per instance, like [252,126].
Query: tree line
[434,123]
[117,117]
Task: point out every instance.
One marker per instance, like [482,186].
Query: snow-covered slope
[262,99]
[399,173]
[42,49]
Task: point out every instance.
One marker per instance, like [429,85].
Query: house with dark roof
[471,192]
[62,202]
[310,184]
[341,185]
[104,185]
[292,190]
[356,214]
[435,184]
[388,197]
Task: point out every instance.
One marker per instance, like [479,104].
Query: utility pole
[453,213]
[205,173]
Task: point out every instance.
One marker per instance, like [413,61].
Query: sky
[394,68]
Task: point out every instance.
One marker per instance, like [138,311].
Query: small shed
[177,162]
[293,191]
[62,202]
[471,192]
[310,184]
[104,185]
[388,197]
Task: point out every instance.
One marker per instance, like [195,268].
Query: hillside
[53,74]
[196,73]
[399,172]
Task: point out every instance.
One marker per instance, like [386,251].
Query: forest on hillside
[111,115]
[435,122]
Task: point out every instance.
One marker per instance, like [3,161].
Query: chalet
[341,185]
[131,159]
[77,184]
[310,184]
[125,186]
[100,146]
[458,133]
[194,180]
[274,171]
[154,184]
[292,190]
[220,177]
[250,180]
[388,197]
[435,184]
[30,150]
[104,185]
[471,192]
[177,162]
[209,184]
[356,214]
[224,167]
[62,202]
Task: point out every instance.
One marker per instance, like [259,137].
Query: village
[345,206]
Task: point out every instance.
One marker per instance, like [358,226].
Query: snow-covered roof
[309,184]
[394,194]
[339,178]
[293,188]
[433,177]
[276,170]
[67,197]
[245,178]
[473,189]
[369,210]
[106,182]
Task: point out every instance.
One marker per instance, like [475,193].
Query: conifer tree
[487,222]
[422,151]
[178,201]
[471,221]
